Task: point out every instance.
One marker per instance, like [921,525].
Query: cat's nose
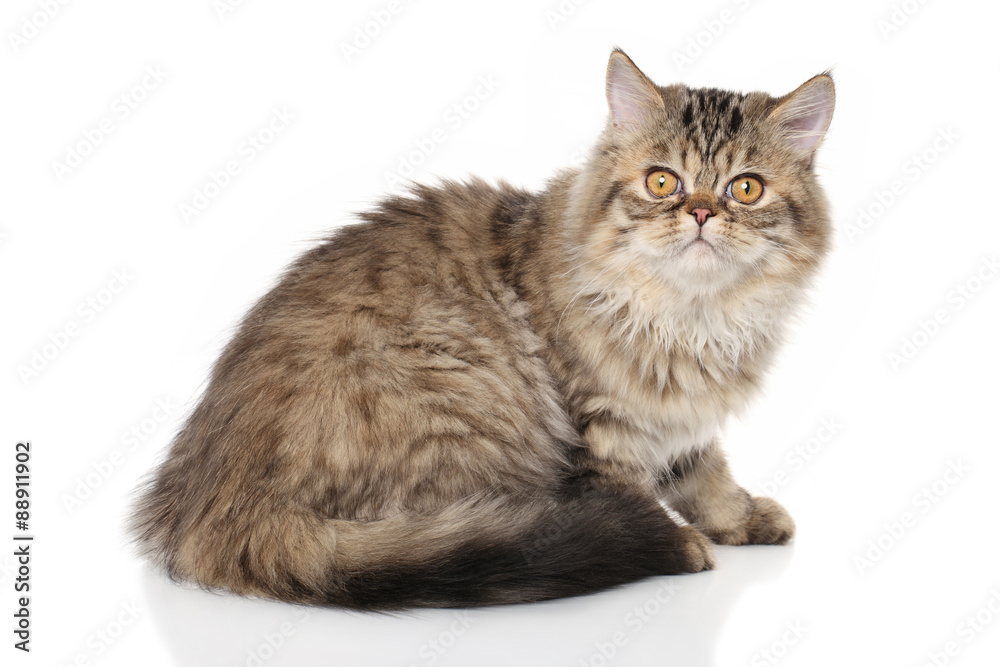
[701,215]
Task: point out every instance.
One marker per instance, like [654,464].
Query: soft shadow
[680,617]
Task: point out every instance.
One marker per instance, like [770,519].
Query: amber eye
[662,183]
[745,189]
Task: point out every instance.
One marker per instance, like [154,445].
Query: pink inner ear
[805,116]
[631,97]
[805,131]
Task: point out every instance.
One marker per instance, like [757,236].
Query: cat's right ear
[803,116]
[632,97]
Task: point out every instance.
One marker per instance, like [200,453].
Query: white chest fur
[673,368]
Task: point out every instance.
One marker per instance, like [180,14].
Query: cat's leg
[601,465]
[702,489]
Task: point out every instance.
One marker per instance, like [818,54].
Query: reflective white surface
[671,616]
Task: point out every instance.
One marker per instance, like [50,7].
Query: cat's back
[420,274]
[398,335]
[433,239]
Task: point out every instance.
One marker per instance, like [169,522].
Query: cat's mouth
[700,243]
[702,253]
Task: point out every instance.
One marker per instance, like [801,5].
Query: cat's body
[480,394]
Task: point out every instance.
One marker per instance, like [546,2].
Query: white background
[857,586]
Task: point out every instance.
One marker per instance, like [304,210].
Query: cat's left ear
[804,115]
[632,97]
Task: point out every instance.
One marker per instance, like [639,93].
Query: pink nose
[701,215]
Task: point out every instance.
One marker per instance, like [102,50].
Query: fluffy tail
[475,553]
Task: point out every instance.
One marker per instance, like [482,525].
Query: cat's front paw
[766,522]
[697,552]
[770,523]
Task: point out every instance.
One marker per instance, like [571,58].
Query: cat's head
[707,189]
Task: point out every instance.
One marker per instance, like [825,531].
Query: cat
[481,395]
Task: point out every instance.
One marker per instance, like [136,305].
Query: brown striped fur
[425,392]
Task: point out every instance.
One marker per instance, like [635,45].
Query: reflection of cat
[478,395]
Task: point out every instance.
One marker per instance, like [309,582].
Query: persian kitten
[481,395]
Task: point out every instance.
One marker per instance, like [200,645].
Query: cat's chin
[702,252]
[698,267]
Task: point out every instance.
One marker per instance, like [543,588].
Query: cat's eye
[662,183]
[745,189]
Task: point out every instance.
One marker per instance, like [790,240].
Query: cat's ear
[632,98]
[803,115]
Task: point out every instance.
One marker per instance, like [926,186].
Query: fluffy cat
[481,395]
